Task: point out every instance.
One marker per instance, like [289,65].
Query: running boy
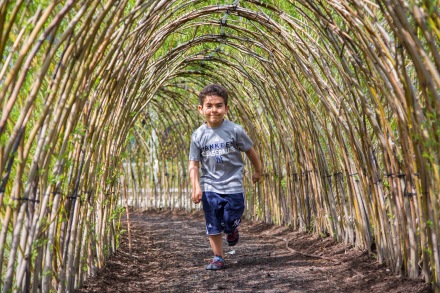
[217,145]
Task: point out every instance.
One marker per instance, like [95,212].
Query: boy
[217,145]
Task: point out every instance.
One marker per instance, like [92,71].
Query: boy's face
[214,110]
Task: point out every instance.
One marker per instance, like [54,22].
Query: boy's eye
[209,106]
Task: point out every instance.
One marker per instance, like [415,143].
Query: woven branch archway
[341,97]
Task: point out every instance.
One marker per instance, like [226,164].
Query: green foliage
[117,212]
[429,223]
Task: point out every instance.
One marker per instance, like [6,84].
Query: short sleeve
[243,142]
[194,150]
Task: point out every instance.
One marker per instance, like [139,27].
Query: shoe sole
[232,243]
[212,267]
[208,268]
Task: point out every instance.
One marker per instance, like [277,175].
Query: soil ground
[170,251]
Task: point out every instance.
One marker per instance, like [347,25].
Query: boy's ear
[200,107]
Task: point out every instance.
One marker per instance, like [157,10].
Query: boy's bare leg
[216,244]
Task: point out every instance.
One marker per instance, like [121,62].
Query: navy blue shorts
[222,211]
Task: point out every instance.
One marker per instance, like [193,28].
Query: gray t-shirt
[218,150]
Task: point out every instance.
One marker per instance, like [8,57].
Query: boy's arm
[255,160]
[193,171]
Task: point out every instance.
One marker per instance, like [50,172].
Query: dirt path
[169,251]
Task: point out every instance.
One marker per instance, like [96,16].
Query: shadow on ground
[170,251]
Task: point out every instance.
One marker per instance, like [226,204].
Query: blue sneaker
[233,237]
[217,263]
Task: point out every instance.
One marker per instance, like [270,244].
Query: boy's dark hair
[213,90]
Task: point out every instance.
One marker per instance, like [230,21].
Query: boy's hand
[196,196]
[256,176]
[252,155]
[193,169]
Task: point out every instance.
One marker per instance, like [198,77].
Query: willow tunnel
[99,99]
